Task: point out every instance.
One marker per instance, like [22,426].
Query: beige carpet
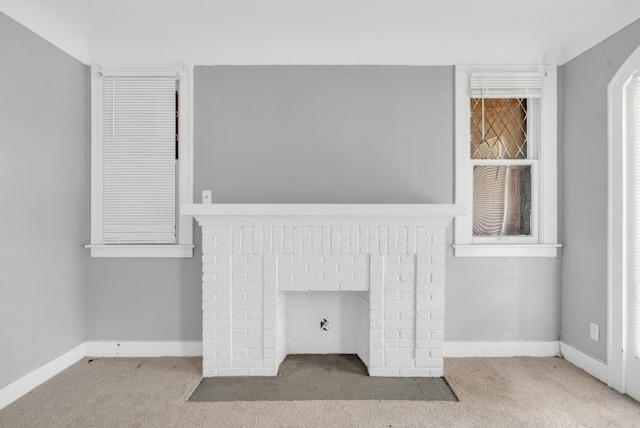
[493,392]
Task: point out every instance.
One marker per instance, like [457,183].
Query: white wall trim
[143,349]
[501,349]
[589,364]
[20,387]
[618,255]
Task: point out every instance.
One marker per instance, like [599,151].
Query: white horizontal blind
[139,160]
[506,85]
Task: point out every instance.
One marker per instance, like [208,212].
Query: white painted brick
[293,267]
[362,258]
[363,234]
[246,239]
[240,334]
[435,372]
[323,272]
[337,276]
[436,353]
[255,315]
[390,278]
[335,239]
[285,277]
[247,324]
[293,287]
[324,286]
[354,286]
[338,258]
[393,240]
[345,243]
[373,240]
[376,334]
[391,315]
[376,305]
[307,276]
[254,334]
[438,237]
[287,237]
[353,267]
[407,315]
[423,278]
[361,277]
[406,353]
[297,240]
[354,239]
[436,335]
[247,267]
[376,353]
[254,295]
[316,240]
[325,233]
[437,278]
[254,258]
[391,353]
[433,363]
[383,240]
[391,259]
[376,362]
[270,295]
[426,306]
[322,267]
[403,240]
[376,324]
[437,315]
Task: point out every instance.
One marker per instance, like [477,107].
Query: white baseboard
[501,349]
[143,349]
[20,387]
[589,364]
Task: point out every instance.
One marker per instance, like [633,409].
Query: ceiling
[413,32]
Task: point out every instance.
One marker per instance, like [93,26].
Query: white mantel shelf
[360,214]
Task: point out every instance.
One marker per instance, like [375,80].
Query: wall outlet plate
[206,196]
[595,332]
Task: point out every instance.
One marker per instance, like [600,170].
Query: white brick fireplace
[272,273]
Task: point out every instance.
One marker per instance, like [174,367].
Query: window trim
[546,242]
[184,247]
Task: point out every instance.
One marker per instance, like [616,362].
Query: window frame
[184,186]
[543,241]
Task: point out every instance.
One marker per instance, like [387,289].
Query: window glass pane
[502,200]
[498,128]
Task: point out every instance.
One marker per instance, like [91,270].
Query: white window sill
[506,250]
[146,251]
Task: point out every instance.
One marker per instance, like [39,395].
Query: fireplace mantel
[386,261]
[309,214]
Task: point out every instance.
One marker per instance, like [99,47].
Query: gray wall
[333,134]
[584,141]
[145,299]
[364,134]
[43,118]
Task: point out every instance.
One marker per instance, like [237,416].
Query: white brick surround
[392,256]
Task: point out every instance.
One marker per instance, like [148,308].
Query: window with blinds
[139,159]
[506,161]
[503,152]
